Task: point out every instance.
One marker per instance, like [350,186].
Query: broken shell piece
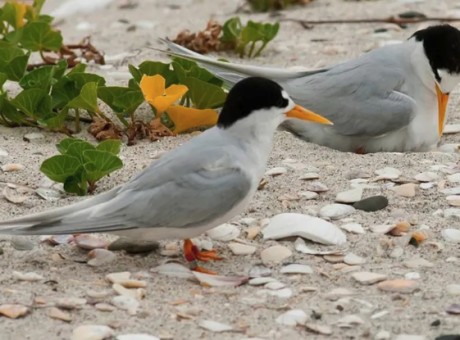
[400,228]
[292,318]
[275,254]
[56,313]
[31,276]
[93,332]
[12,195]
[312,228]
[224,232]
[99,257]
[12,167]
[13,311]
[90,242]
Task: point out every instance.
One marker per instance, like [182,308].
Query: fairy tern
[393,98]
[193,188]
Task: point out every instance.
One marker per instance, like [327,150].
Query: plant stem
[251,49]
[260,49]
[77,120]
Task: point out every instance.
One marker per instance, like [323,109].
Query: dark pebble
[133,247]
[373,203]
[449,337]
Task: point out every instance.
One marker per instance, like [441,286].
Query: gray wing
[176,191]
[362,97]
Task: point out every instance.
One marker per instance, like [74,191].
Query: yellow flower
[155,93]
[186,118]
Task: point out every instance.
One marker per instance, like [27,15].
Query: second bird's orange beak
[304,114]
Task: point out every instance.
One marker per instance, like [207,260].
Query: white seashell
[275,254]
[412,276]
[453,200]
[224,232]
[284,293]
[275,171]
[388,173]
[309,176]
[241,249]
[127,303]
[451,128]
[296,269]
[274,285]
[48,194]
[368,278]
[427,176]
[100,257]
[451,191]
[349,196]
[350,321]
[382,228]
[136,337]
[308,195]
[292,317]
[258,281]
[215,326]
[354,228]
[302,247]
[316,187]
[353,259]
[312,228]
[455,178]
[31,276]
[451,235]
[3,153]
[12,167]
[336,211]
[93,332]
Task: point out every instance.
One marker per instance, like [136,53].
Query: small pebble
[354,228]
[336,211]
[405,190]
[451,235]
[56,313]
[10,167]
[373,203]
[398,285]
[292,318]
[368,278]
[92,332]
[22,243]
[296,269]
[30,277]
[353,259]
[13,311]
[33,136]
[224,232]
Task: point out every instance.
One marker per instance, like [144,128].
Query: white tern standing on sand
[193,188]
[393,98]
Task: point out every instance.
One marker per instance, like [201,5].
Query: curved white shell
[308,227]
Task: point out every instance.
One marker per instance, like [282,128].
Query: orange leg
[360,151]
[192,254]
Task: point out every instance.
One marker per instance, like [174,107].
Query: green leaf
[60,68]
[81,79]
[137,75]
[121,99]
[76,183]
[35,103]
[79,68]
[231,30]
[186,68]
[64,144]
[17,67]
[63,92]
[3,79]
[39,36]
[56,122]
[110,145]
[38,78]
[87,99]
[9,113]
[78,148]
[59,168]
[152,68]
[205,95]
[99,164]
[13,62]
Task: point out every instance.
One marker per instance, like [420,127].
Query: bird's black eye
[283,102]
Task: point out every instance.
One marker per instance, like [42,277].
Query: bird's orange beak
[442,106]
[304,114]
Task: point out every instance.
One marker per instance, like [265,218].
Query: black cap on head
[250,94]
[442,47]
